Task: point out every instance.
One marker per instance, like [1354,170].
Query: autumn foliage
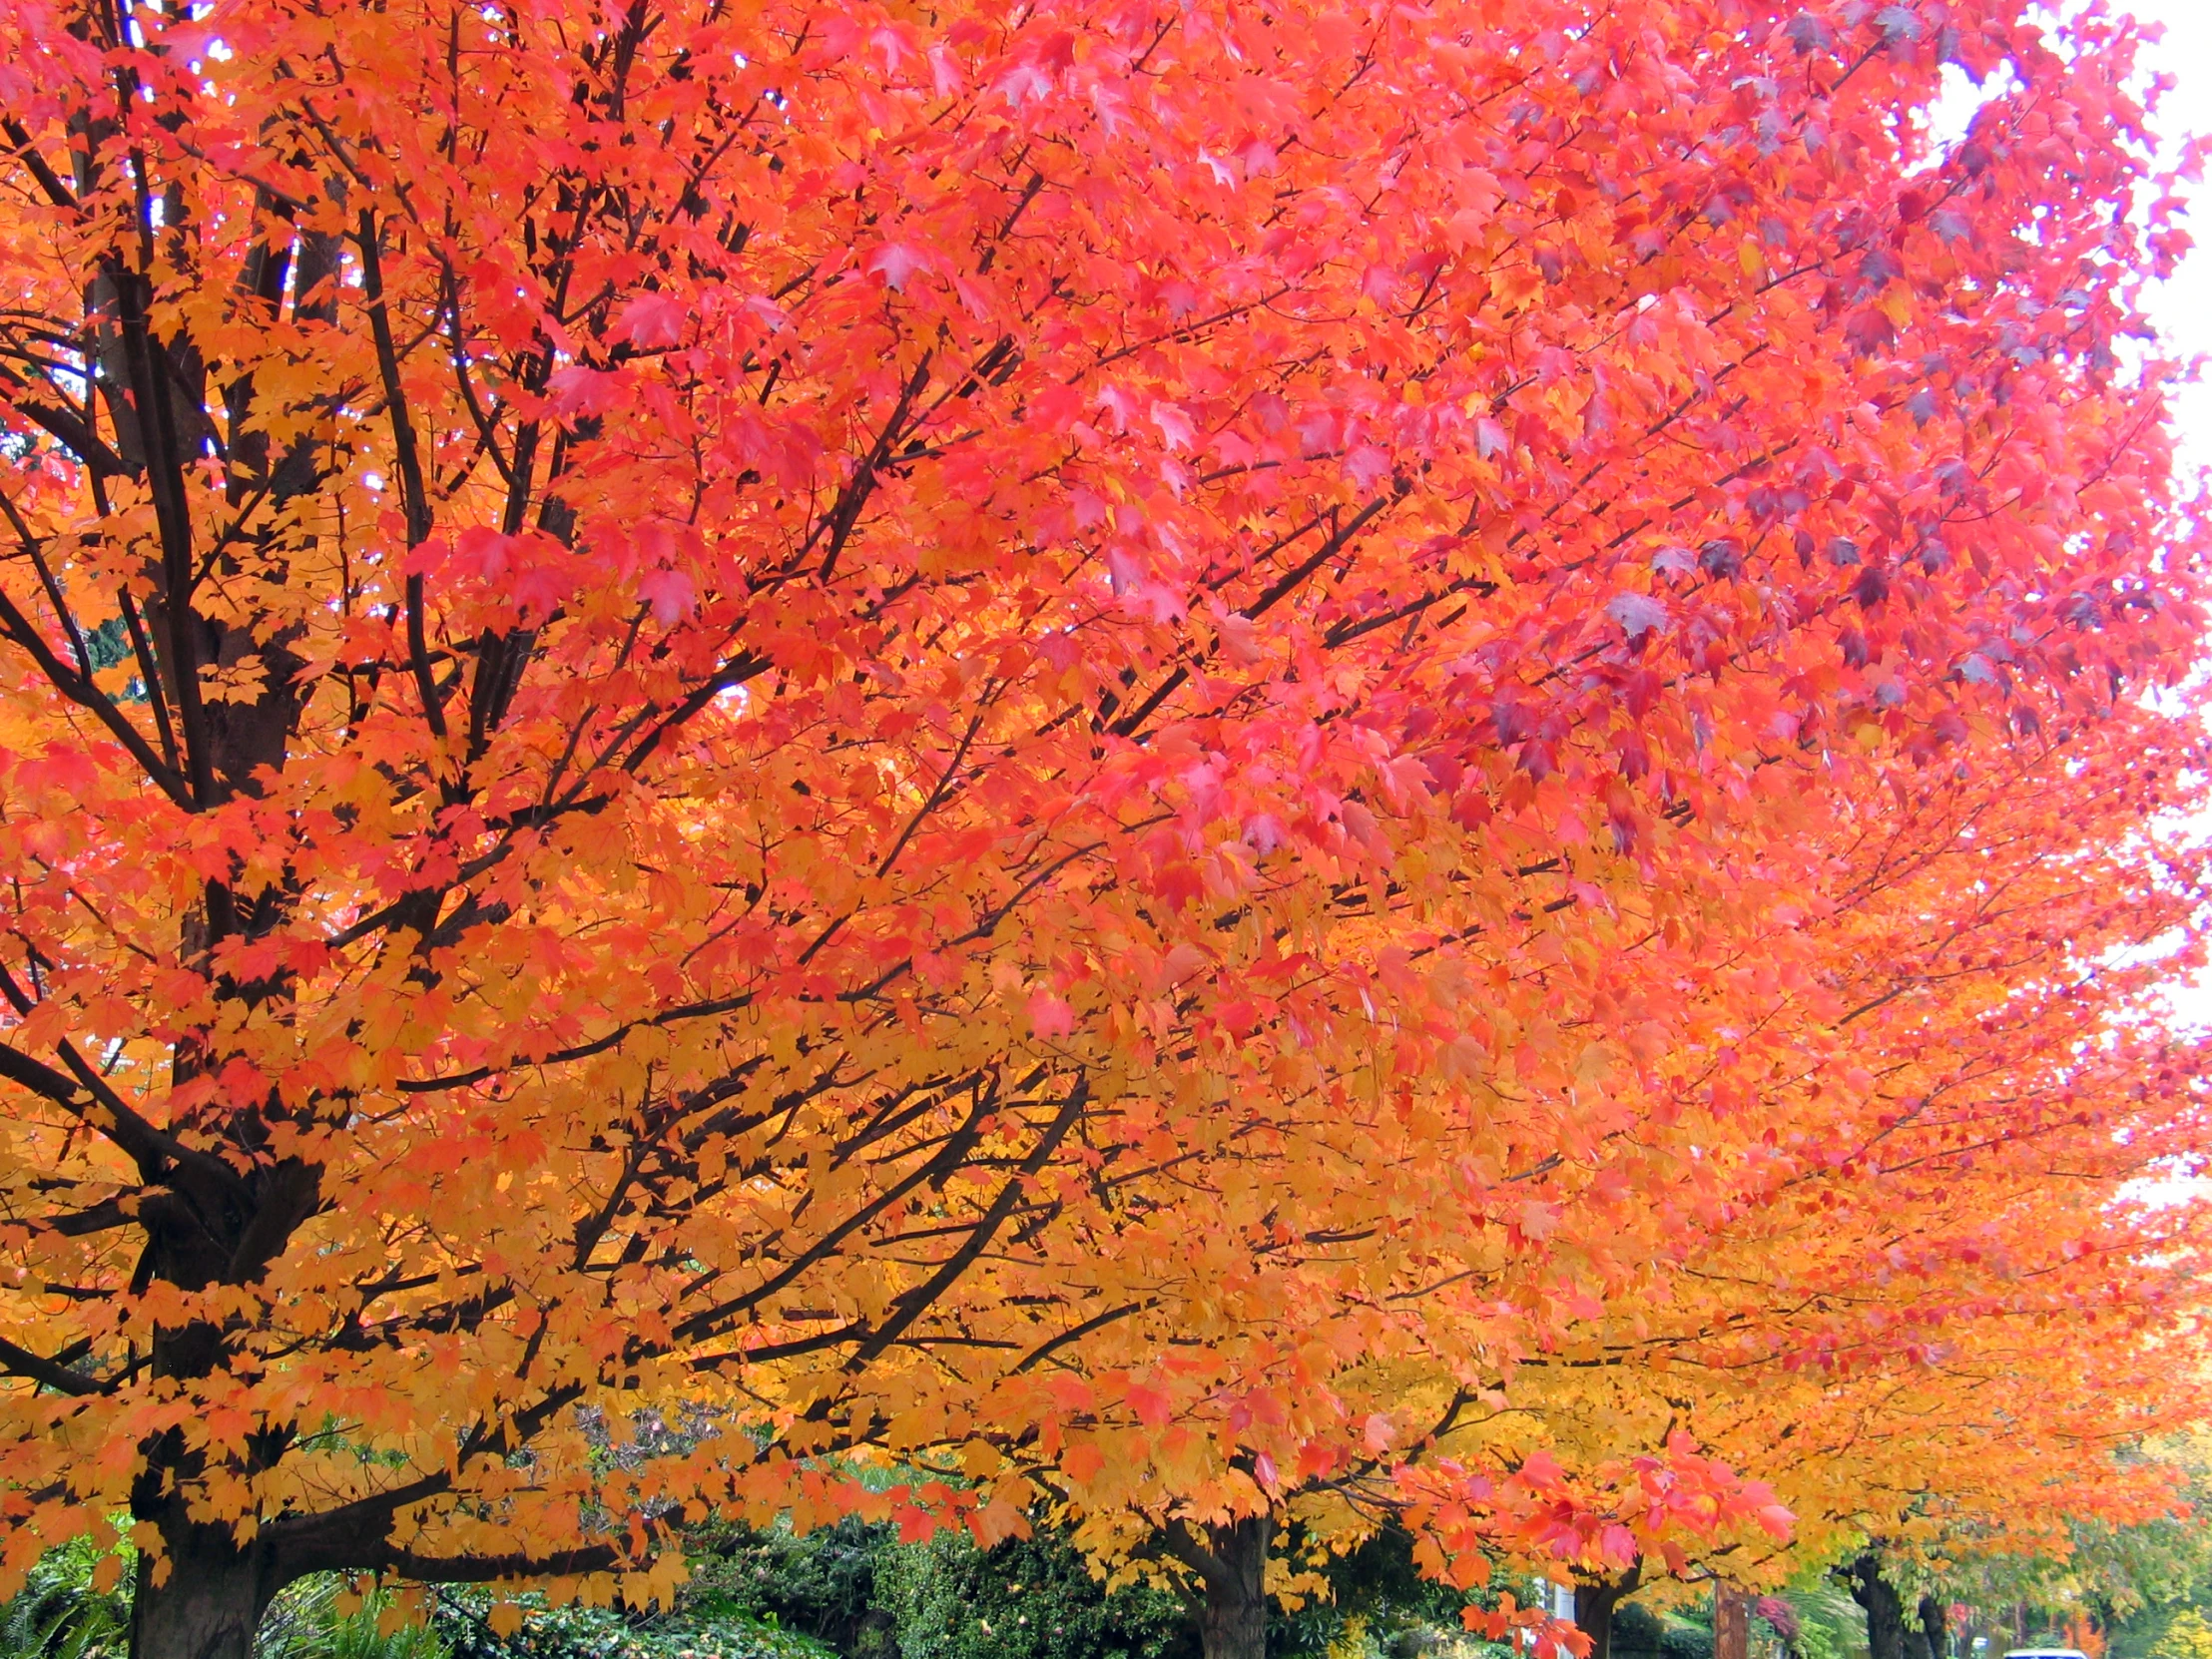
[1183,760]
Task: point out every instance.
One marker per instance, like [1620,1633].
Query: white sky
[2181,306]
[2185,307]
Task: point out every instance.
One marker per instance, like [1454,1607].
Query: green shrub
[463,1627]
[61,1615]
[1378,1604]
[820,1584]
[1637,1631]
[305,1623]
[2188,1635]
[1030,1598]
[849,1591]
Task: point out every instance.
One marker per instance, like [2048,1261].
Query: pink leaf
[1637,613]
[1152,1406]
[539,588]
[895,261]
[1540,1469]
[1368,465]
[978,303]
[669,592]
[578,390]
[651,320]
[482,551]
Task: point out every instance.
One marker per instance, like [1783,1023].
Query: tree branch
[21,1361]
[415,495]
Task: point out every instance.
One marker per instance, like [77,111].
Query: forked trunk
[209,1604]
[1595,1600]
[1231,1561]
[1884,1610]
[1932,1628]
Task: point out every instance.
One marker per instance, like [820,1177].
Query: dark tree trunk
[211,1602]
[1884,1610]
[1232,1567]
[1932,1630]
[1594,1602]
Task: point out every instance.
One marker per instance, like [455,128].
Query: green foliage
[1637,1630]
[1641,1631]
[61,1614]
[1030,1598]
[1682,1639]
[850,1591]
[822,1584]
[2130,1577]
[2188,1635]
[1378,1604]
[305,1623]
[1830,1624]
[2142,1635]
[463,1627]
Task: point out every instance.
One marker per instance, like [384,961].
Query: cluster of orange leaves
[1352,757]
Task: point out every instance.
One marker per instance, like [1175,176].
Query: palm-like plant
[65,1613]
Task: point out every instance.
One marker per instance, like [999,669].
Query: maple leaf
[669,592]
[895,263]
[580,390]
[1638,614]
[651,320]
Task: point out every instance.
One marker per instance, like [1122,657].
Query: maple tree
[1947,1296]
[1884,1250]
[739,733]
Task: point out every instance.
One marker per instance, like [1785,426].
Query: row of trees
[1202,766]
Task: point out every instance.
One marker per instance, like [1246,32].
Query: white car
[2044,1653]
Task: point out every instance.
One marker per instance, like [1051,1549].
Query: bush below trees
[848,1591]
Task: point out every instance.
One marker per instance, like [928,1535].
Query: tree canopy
[1143,753]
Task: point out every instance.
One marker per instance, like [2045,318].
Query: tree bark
[211,1602]
[1231,1561]
[1594,1602]
[1884,1611]
[1731,1623]
[1932,1630]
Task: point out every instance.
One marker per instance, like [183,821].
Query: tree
[1597,1598]
[2189,1636]
[1993,986]
[1932,1305]
[916,735]
[2121,1573]
[1893,1261]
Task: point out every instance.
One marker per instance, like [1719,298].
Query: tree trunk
[1232,1564]
[211,1603]
[1884,1611]
[1731,1623]
[1594,1602]
[1932,1629]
